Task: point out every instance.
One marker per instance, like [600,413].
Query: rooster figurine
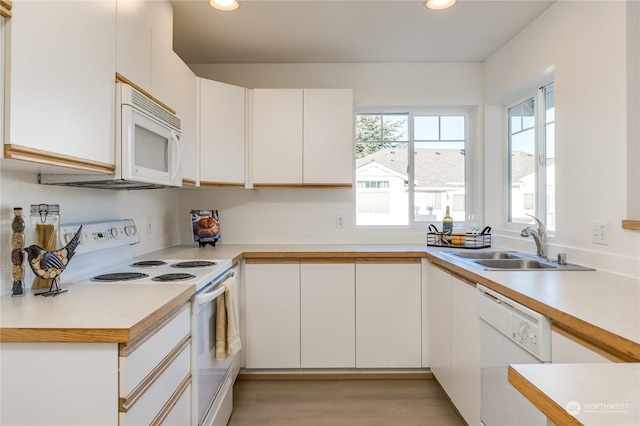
[49,265]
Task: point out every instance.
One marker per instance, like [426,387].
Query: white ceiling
[343,31]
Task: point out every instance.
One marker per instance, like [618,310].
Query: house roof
[435,168]
[440,168]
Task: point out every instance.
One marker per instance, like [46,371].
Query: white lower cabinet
[155,372]
[569,349]
[455,341]
[333,314]
[327,297]
[272,305]
[388,314]
[439,311]
[146,381]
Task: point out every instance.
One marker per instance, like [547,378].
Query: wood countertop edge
[94,335]
[538,398]
[330,254]
[607,338]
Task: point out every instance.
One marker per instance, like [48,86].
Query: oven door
[208,374]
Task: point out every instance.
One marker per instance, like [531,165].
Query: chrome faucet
[539,236]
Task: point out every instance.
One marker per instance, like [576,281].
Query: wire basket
[467,241]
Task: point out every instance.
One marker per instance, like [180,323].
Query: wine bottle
[447,223]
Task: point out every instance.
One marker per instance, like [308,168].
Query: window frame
[540,126]
[471,158]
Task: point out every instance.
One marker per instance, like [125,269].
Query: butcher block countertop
[106,313]
[582,394]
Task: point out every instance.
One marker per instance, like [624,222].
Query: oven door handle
[208,296]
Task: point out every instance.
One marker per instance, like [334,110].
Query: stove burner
[173,277]
[121,276]
[193,264]
[145,263]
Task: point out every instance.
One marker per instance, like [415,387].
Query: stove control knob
[130,230]
[114,232]
[68,236]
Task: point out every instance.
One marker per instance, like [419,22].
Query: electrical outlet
[339,221]
[149,229]
[600,232]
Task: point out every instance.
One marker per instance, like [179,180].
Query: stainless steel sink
[515,264]
[512,261]
[485,255]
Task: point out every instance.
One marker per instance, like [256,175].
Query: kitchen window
[531,158]
[410,166]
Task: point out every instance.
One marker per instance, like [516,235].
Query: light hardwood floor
[340,403]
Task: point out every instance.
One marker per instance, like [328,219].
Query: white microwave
[148,148]
[149,139]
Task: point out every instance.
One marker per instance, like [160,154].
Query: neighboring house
[382,177]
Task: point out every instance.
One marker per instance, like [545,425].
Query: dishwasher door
[501,403]
[510,333]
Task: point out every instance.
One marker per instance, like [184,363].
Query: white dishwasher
[510,333]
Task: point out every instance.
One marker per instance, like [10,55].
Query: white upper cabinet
[133,60]
[302,137]
[328,137]
[222,124]
[277,137]
[60,80]
[145,56]
[186,84]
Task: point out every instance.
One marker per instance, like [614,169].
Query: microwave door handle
[177,155]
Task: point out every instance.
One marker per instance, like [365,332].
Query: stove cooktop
[198,272]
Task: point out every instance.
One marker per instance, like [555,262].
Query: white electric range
[104,256]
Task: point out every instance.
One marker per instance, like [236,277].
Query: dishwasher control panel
[527,328]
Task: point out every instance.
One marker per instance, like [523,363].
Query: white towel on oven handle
[227,321]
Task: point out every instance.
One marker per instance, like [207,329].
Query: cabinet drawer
[140,357]
[147,402]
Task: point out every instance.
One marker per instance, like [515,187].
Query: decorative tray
[466,240]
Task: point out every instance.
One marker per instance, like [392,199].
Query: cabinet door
[272,315]
[328,137]
[388,315]
[187,111]
[465,351]
[133,47]
[565,350]
[327,298]
[61,79]
[277,137]
[222,134]
[439,311]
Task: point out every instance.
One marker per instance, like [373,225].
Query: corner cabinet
[221,117]
[454,331]
[302,138]
[61,109]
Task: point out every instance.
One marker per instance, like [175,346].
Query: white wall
[584,45]
[20,189]
[309,216]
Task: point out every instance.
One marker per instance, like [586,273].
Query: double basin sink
[512,261]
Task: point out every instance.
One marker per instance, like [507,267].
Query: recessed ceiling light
[439,4]
[224,4]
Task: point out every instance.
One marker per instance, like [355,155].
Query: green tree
[374,133]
